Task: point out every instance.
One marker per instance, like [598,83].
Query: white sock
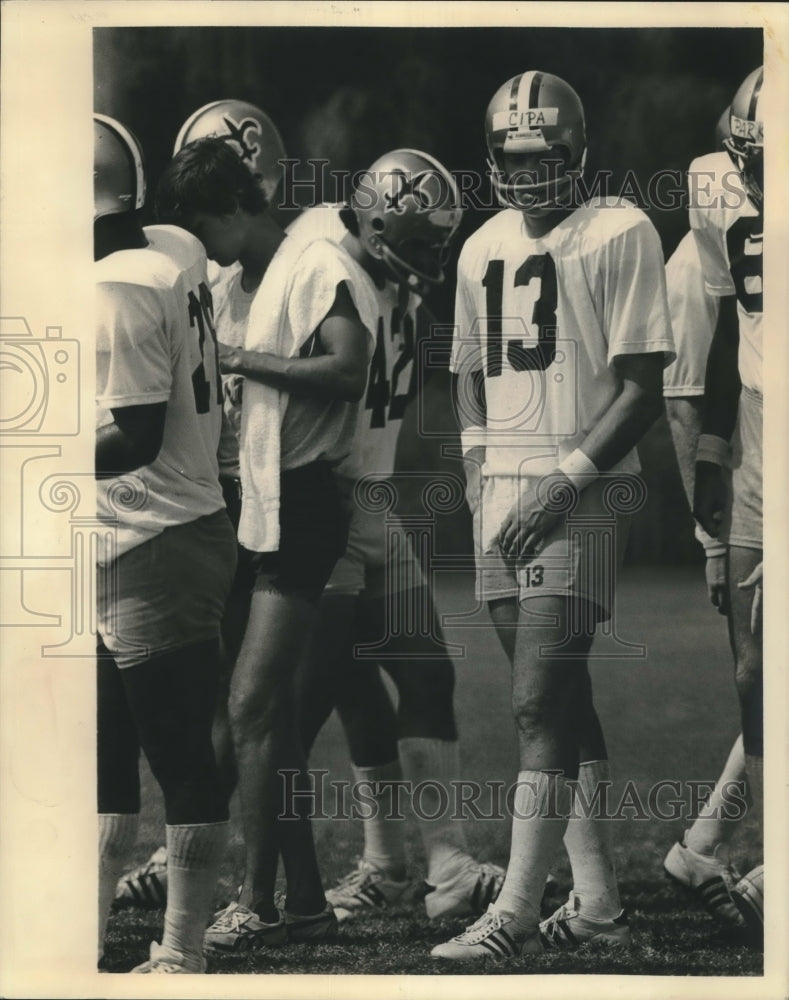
[588,843]
[384,835]
[194,853]
[443,838]
[712,827]
[117,836]
[755,768]
[540,809]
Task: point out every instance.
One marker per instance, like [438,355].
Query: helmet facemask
[522,189]
[748,158]
[413,262]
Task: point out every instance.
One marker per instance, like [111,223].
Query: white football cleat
[163,961]
[146,885]
[238,929]
[366,887]
[492,936]
[569,928]
[710,878]
[466,893]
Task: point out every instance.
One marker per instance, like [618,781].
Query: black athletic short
[313,525]
[244,579]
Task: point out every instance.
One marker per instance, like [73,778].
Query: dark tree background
[652,99]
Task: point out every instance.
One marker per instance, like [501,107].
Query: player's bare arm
[721,398]
[132,440]
[685,415]
[425,323]
[624,423]
[470,406]
[340,372]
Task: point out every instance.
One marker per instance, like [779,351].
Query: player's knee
[248,717]
[186,772]
[536,711]
[748,677]
[254,711]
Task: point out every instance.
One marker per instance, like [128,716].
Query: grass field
[669,716]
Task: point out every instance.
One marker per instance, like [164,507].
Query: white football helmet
[407,208]
[118,169]
[246,129]
[745,144]
[535,112]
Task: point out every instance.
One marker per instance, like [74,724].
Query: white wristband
[713,547]
[579,469]
[713,449]
[472,437]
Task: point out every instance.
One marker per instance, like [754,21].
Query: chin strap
[510,192]
[402,272]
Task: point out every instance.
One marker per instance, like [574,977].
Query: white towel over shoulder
[297,291]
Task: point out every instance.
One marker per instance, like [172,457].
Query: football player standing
[700,861]
[304,362]
[562,332]
[163,581]
[398,225]
[726,215]
[252,135]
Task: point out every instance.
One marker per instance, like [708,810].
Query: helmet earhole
[378,224]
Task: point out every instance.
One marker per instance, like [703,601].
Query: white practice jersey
[231,313]
[544,319]
[728,230]
[694,313]
[283,431]
[391,383]
[155,343]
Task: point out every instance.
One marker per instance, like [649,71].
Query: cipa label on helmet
[744,129]
[530,118]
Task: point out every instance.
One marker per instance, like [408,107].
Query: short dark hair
[349,220]
[206,176]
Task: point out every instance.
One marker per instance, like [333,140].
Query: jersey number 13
[521,358]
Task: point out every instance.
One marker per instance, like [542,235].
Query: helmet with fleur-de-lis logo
[407,209]
[247,130]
